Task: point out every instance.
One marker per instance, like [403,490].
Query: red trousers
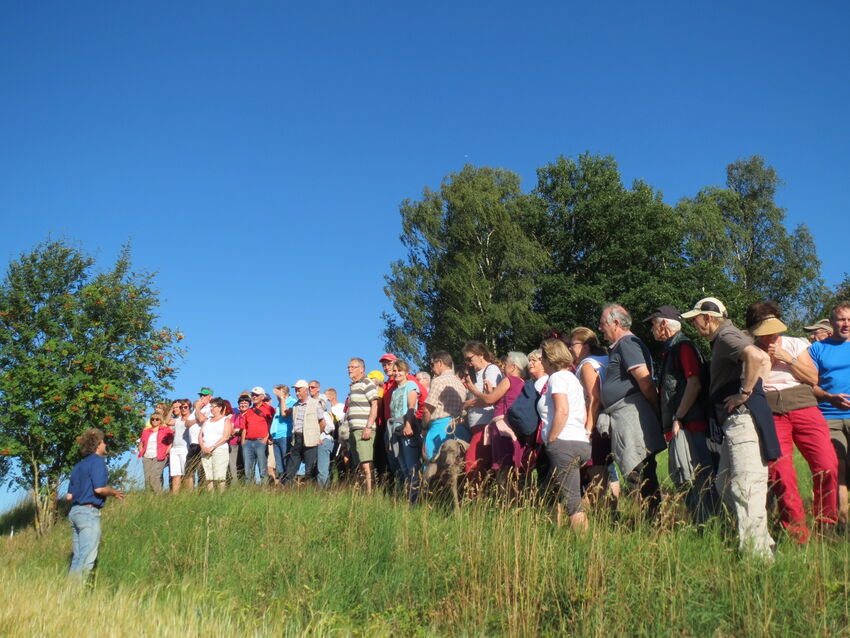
[807,429]
[479,457]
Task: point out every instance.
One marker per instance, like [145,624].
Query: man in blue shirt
[88,489]
[832,358]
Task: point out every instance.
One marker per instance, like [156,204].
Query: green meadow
[308,563]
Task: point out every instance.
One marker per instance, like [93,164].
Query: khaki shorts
[839,432]
[361,451]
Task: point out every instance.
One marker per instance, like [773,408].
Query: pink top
[780,377]
[164,438]
[509,397]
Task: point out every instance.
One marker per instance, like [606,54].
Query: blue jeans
[85,539]
[298,453]
[326,448]
[408,460]
[280,447]
[436,434]
[254,452]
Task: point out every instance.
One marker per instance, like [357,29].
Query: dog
[447,469]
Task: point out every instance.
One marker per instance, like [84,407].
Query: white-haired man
[741,409]
[684,416]
[630,403]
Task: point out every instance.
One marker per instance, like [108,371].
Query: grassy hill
[304,563]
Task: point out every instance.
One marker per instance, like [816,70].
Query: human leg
[85,525]
[838,435]
[310,456]
[234,452]
[811,436]
[409,459]
[783,482]
[279,449]
[364,450]
[294,457]
[249,456]
[748,485]
[177,467]
[567,457]
[324,462]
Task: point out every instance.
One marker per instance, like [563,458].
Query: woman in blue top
[403,436]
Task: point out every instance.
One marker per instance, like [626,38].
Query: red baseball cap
[389,356]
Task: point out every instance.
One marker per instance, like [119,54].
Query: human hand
[733,401]
[778,354]
[407,430]
[840,400]
[366,434]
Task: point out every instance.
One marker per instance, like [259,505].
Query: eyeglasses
[576,343]
[313,387]
[468,359]
[155,420]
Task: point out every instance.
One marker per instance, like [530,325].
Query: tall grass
[306,562]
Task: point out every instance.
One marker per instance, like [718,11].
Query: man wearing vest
[630,406]
[742,411]
[684,417]
[308,420]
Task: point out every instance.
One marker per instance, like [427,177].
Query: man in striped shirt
[361,416]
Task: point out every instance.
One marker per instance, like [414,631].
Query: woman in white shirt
[213,438]
[564,434]
[591,359]
[483,374]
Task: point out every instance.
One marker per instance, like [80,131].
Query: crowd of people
[580,417]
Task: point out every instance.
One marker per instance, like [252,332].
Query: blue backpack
[522,415]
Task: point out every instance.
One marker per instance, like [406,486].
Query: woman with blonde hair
[154,445]
[564,430]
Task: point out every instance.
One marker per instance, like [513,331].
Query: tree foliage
[78,349]
[470,267]
[608,242]
[480,252]
[736,239]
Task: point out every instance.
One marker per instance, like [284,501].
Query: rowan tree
[78,349]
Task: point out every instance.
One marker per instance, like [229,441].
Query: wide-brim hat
[768,326]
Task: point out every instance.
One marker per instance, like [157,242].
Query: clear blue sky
[255,153]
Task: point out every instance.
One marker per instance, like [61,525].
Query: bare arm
[200,417]
[493,396]
[370,422]
[646,385]
[802,367]
[756,364]
[109,491]
[693,385]
[592,386]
